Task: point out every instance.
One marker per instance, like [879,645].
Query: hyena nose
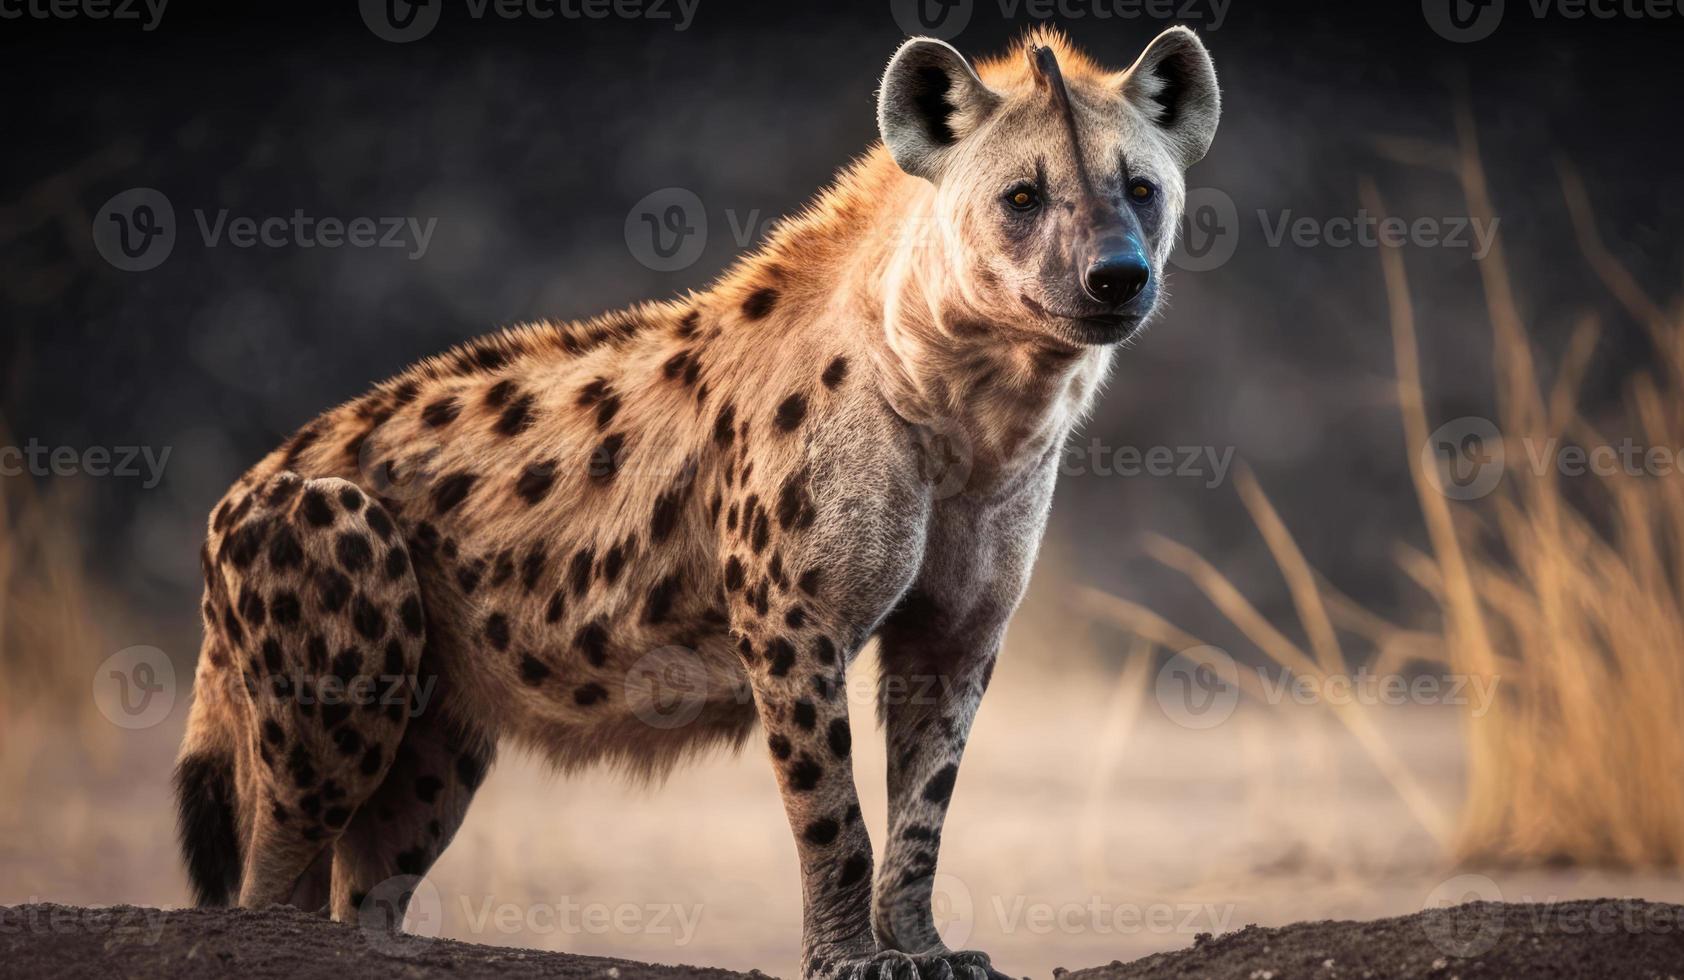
[1116,278]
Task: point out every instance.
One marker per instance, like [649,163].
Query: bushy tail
[204,794]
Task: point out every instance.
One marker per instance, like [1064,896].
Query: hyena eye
[1141,190]
[1023,197]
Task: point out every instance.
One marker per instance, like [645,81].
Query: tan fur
[548,479]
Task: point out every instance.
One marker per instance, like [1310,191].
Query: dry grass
[1569,597]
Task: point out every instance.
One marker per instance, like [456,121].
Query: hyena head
[1058,183]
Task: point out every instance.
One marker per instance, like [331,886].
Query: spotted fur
[852,434]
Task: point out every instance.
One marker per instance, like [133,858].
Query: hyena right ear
[930,99]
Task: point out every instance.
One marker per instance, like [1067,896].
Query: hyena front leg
[928,696]
[796,675]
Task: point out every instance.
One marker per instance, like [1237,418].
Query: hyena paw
[890,964]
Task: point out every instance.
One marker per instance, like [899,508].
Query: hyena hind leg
[324,618]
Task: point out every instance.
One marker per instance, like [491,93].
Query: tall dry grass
[1569,597]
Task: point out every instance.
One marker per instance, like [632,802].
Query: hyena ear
[1174,83]
[931,98]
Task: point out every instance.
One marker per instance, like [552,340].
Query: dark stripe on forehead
[1048,76]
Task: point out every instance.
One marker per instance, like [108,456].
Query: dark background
[531,140]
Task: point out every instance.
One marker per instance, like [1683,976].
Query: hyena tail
[205,805]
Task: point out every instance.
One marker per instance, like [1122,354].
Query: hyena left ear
[1174,83]
[931,98]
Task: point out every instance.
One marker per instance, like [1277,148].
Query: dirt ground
[1633,940]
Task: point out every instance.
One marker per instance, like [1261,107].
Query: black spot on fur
[451,491]
[284,608]
[372,760]
[354,551]
[805,714]
[252,608]
[674,365]
[427,788]
[497,631]
[504,568]
[782,655]
[659,603]
[299,765]
[368,620]
[733,574]
[333,589]
[410,614]
[535,482]
[517,417]
[724,426]
[824,650]
[316,509]
[589,694]
[854,870]
[592,641]
[467,577]
[579,570]
[351,499]
[804,774]
[556,608]
[940,787]
[498,394]
[841,739]
[779,746]
[348,740]
[606,458]
[284,550]
[532,670]
[272,732]
[532,568]
[440,413]
[790,413]
[612,563]
[397,562]
[835,372]
[760,302]
[594,392]
[412,861]
[822,831]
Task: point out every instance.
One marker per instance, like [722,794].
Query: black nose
[1116,279]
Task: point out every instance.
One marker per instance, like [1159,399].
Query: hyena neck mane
[868,257]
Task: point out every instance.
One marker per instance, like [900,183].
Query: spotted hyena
[852,434]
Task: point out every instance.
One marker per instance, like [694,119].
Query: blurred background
[1362,586]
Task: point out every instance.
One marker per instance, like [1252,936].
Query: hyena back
[852,434]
